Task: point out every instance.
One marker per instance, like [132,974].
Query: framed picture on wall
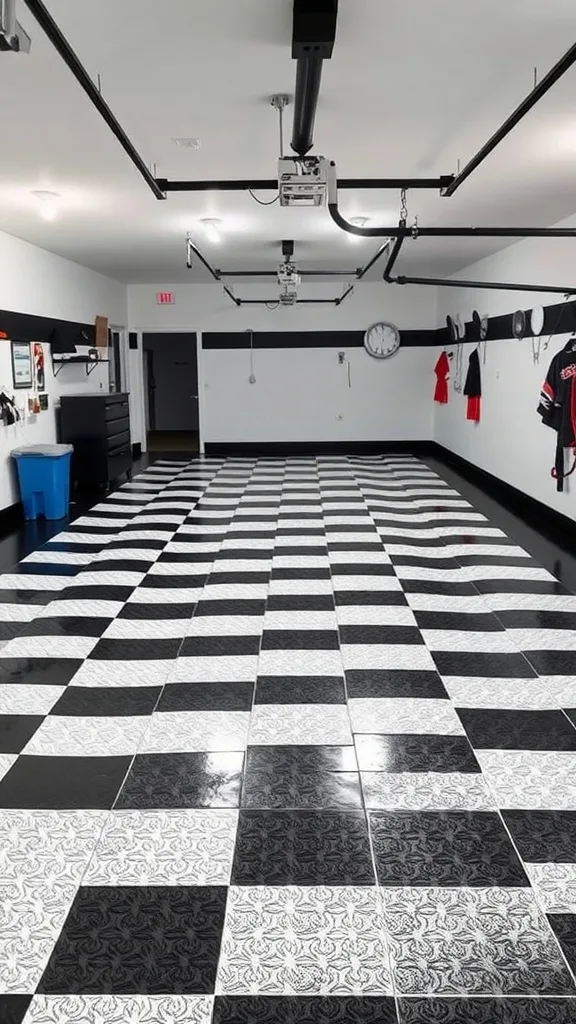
[22,364]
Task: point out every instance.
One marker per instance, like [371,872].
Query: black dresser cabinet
[98,425]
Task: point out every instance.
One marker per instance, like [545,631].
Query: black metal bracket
[271,184]
[88,363]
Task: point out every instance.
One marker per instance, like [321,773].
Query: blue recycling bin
[44,477]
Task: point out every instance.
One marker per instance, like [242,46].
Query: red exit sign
[165,298]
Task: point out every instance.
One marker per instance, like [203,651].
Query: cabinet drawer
[114,427]
[118,442]
[119,462]
[116,410]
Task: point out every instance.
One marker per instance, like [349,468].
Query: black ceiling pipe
[62,46]
[438,282]
[522,109]
[271,184]
[308,77]
[482,232]
[313,35]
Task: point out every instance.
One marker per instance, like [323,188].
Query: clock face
[382,340]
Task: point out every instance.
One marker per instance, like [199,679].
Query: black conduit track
[522,109]
[61,44]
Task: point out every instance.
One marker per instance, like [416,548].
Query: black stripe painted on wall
[63,335]
[558,319]
[308,339]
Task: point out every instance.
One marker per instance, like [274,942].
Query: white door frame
[140,382]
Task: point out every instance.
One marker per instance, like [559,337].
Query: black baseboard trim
[136,450]
[558,527]
[11,518]
[285,449]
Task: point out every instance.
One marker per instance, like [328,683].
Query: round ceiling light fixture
[359,222]
[48,203]
[211,227]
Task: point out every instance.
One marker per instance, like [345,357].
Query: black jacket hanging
[557,407]
[473,387]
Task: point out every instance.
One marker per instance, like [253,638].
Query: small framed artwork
[22,364]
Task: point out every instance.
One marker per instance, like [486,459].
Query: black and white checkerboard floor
[287,741]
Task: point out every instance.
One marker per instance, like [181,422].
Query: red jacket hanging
[441,370]
[473,388]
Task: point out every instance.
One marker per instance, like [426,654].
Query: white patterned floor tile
[474,641]
[303,941]
[307,724]
[189,731]
[119,1009]
[49,646]
[344,582]
[90,608]
[404,715]
[146,629]
[544,639]
[415,657]
[225,625]
[524,694]
[426,791]
[183,847]
[472,941]
[21,699]
[165,595]
[215,669]
[123,673]
[92,736]
[300,663]
[554,886]
[530,779]
[18,612]
[375,615]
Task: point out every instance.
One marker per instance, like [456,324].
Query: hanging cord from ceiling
[263,202]
[252,377]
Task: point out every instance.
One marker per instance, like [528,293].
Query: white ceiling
[413,86]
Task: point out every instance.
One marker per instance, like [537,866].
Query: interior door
[175,379]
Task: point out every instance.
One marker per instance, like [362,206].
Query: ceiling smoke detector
[188,143]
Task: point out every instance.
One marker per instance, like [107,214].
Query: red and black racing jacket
[557,407]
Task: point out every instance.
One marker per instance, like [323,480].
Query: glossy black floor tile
[16,730]
[63,782]
[300,640]
[564,926]
[482,665]
[13,1008]
[206,697]
[302,848]
[65,625]
[138,939]
[106,701]
[164,781]
[443,848]
[342,1009]
[300,690]
[136,610]
[491,1010]
[38,671]
[484,622]
[219,646]
[394,683]
[415,752]
[543,836]
[132,650]
[553,663]
[300,760]
[518,730]
[380,635]
[289,786]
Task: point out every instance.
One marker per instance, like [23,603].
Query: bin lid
[43,449]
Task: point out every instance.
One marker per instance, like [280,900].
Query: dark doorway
[171,381]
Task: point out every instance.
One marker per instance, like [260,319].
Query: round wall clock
[382,340]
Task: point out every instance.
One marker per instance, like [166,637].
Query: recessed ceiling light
[359,222]
[188,143]
[211,227]
[49,206]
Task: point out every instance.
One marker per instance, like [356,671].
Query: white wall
[37,282]
[302,394]
[510,441]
